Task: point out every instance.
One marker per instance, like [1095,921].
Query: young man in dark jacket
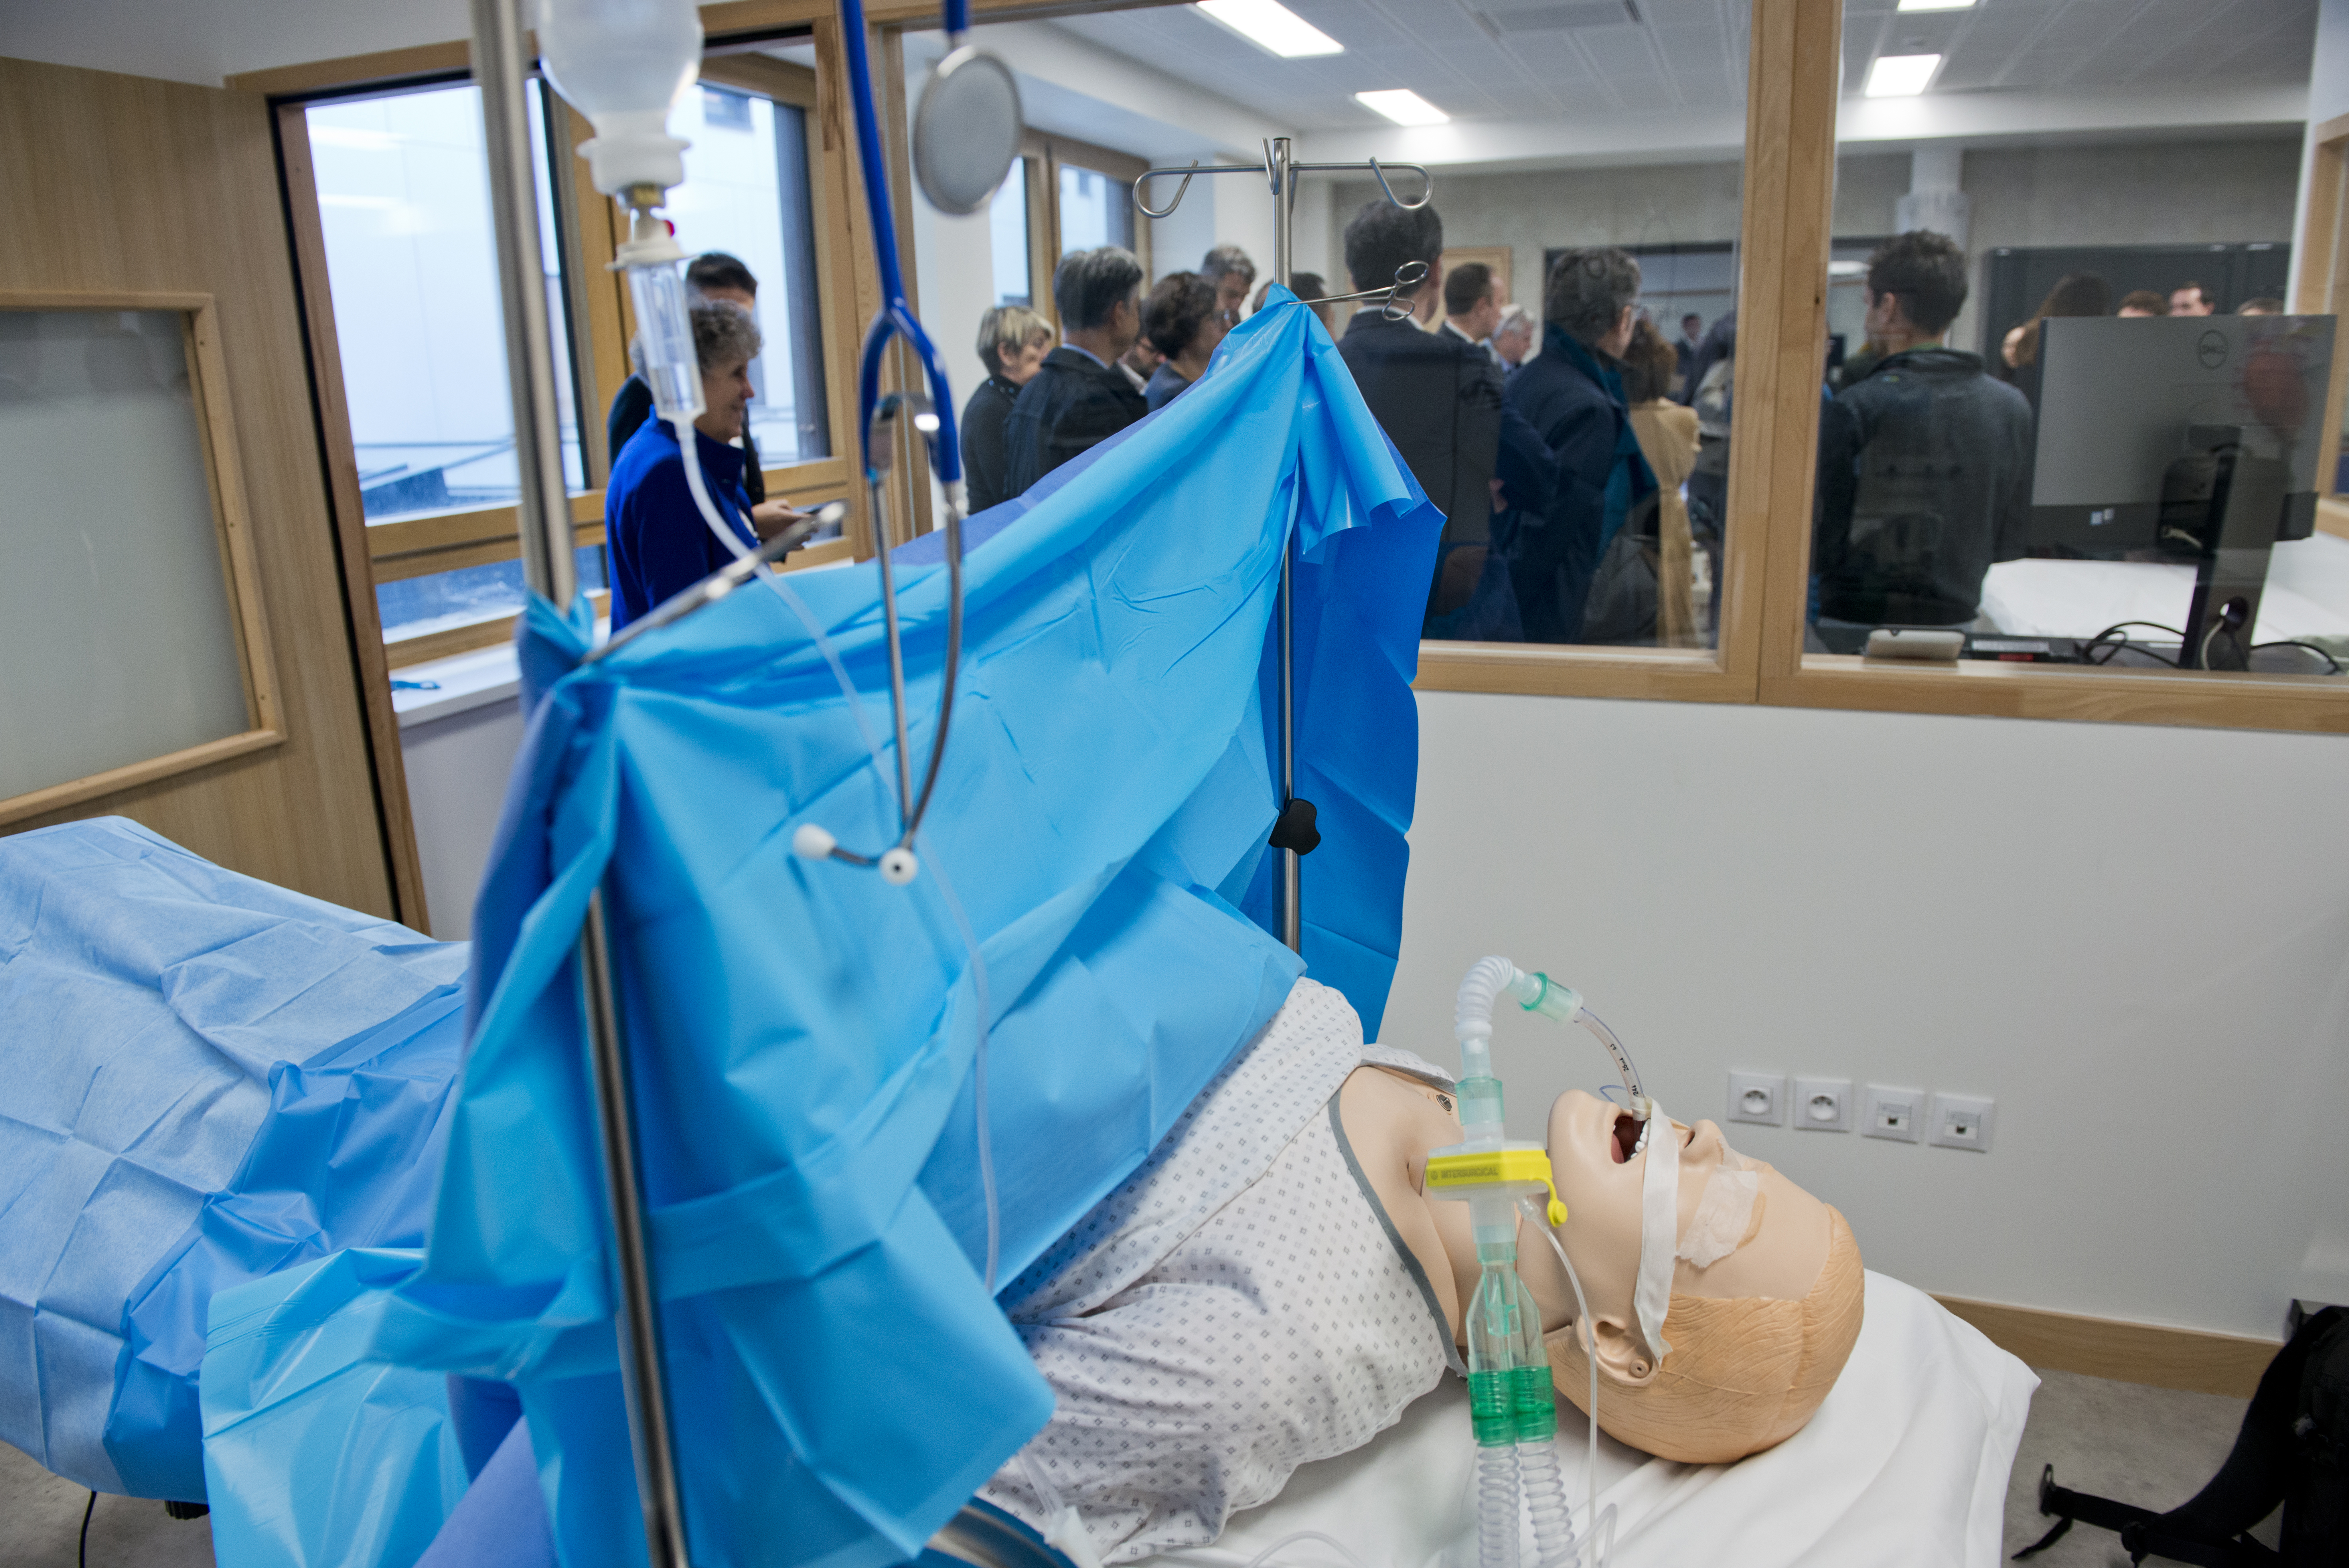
[1079,398]
[1924,463]
[1572,395]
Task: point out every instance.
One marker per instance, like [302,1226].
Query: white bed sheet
[1906,1462]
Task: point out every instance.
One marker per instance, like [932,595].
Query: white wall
[2136,938]
[457,769]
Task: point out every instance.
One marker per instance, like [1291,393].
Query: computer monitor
[2194,436]
[2121,398]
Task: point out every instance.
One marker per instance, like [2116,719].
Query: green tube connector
[1549,999]
[1510,1396]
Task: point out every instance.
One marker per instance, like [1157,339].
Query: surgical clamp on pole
[545,524]
[1293,832]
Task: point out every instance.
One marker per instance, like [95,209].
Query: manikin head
[1754,1337]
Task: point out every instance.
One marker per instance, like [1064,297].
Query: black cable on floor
[84,1527]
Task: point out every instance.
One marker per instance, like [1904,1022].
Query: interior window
[1007,226]
[1095,209]
[403,200]
[2052,441]
[746,192]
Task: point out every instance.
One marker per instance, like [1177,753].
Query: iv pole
[545,523]
[1293,833]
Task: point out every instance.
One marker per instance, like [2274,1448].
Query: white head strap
[1660,1223]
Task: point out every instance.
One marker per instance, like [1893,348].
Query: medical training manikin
[1275,1285]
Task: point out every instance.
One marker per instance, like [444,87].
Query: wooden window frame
[1801,39]
[600,322]
[233,529]
[2323,248]
[1045,153]
[1785,241]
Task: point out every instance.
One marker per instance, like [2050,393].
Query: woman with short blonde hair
[1012,342]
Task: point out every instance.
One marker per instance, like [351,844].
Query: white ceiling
[1581,60]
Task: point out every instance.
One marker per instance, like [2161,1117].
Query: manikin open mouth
[1626,1138]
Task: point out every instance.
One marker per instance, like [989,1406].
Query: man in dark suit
[1438,398]
[1079,398]
[1572,394]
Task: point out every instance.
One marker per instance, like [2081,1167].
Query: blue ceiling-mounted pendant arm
[896,317]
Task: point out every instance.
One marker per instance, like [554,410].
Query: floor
[40,1525]
[2152,1447]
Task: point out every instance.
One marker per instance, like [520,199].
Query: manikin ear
[1622,1359]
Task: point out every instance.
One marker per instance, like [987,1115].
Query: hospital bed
[1906,1462]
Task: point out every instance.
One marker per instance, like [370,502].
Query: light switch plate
[1759,1098]
[1822,1105]
[1961,1121]
[1893,1113]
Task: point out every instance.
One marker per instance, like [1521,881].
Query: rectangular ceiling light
[1901,76]
[1936,4]
[1271,26]
[1403,105]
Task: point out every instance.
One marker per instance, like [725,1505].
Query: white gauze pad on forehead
[1724,1214]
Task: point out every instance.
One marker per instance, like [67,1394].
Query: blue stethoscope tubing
[896,318]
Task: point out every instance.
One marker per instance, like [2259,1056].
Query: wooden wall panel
[128,183]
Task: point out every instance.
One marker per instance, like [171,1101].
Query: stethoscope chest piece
[967,130]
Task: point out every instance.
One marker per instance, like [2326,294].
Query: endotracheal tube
[1513,1405]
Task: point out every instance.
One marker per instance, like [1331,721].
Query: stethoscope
[966,134]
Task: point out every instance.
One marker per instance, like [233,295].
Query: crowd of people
[1554,448]
[1580,459]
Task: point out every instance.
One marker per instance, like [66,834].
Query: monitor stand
[2223,508]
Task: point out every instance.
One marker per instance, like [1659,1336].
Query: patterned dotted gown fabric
[1237,1308]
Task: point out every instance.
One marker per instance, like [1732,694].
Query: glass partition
[1006,233]
[1095,209]
[2069,418]
[403,203]
[746,192]
[1585,487]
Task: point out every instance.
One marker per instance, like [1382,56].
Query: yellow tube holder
[1509,1171]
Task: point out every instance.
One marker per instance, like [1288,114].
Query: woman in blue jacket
[659,543]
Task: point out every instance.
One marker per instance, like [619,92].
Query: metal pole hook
[1150,212]
[1425,196]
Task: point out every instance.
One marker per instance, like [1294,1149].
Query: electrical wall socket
[1961,1121]
[1758,1097]
[1897,1113]
[1822,1105]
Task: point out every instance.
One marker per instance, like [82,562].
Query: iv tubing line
[1532,1210]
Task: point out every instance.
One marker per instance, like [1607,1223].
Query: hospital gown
[1242,1305]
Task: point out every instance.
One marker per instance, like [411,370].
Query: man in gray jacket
[1924,463]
